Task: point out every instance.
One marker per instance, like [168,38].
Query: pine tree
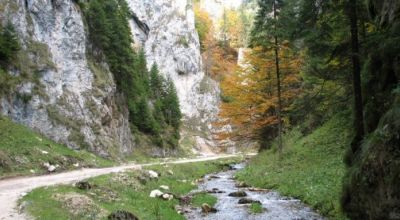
[156,82]
[172,112]
[9,45]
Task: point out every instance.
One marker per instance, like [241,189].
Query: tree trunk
[358,104]
[278,80]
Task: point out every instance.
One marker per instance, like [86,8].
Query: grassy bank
[23,152]
[127,191]
[311,167]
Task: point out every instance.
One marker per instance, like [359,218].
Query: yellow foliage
[250,93]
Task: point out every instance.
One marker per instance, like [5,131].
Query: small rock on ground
[83,185]
[164,187]
[122,215]
[156,193]
[153,174]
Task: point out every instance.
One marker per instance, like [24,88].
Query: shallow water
[275,206]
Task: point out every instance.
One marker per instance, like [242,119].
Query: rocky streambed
[234,201]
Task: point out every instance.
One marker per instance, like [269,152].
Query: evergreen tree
[9,45]
[156,82]
[172,112]
[267,33]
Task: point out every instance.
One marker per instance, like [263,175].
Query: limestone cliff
[71,99]
[166,31]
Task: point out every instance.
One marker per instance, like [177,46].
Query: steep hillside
[68,99]
[25,152]
[311,167]
[67,89]
[371,188]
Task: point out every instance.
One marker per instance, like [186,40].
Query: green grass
[256,208]
[23,150]
[311,167]
[124,191]
[201,198]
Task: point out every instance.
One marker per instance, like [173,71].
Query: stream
[274,205]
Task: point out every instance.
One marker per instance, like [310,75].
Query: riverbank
[98,197]
[310,169]
[236,201]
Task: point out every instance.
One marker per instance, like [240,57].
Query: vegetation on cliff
[151,99]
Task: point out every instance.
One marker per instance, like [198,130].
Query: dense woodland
[309,61]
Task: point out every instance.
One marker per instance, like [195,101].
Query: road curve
[11,190]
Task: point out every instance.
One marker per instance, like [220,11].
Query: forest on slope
[311,68]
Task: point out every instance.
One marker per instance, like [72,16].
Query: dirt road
[13,189]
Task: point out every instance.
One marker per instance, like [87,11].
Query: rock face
[66,102]
[166,31]
[73,100]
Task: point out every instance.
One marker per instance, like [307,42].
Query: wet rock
[248,201]
[214,177]
[215,190]
[83,185]
[258,190]
[241,185]
[122,215]
[238,194]
[232,167]
[206,208]
[156,193]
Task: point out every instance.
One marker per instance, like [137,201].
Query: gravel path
[11,190]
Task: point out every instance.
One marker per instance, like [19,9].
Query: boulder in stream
[215,190]
[206,208]
[238,194]
[248,201]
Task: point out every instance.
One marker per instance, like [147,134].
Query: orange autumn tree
[204,25]
[218,57]
[250,94]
